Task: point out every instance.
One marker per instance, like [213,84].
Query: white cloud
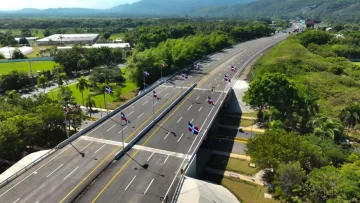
[41,4]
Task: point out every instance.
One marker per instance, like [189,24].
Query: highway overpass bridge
[157,142]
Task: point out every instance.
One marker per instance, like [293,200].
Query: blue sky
[41,4]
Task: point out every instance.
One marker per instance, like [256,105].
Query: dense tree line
[305,96]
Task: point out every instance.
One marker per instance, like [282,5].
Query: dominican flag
[146,73]
[227,78]
[155,95]
[196,66]
[123,117]
[163,65]
[109,90]
[233,68]
[210,101]
[184,75]
[65,110]
[193,129]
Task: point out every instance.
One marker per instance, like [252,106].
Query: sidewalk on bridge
[21,164]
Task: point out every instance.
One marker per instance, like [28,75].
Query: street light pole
[122,133]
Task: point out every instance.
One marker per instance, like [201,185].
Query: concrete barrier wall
[152,124]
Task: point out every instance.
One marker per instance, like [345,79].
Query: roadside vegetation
[306,92]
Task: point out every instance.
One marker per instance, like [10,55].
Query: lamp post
[145,76]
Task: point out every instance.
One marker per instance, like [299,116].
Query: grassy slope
[128,91]
[333,90]
[246,192]
[24,66]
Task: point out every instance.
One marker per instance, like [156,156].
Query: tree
[83,64]
[24,41]
[106,35]
[89,103]
[47,33]
[66,96]
[17,54]
[324,127]
[15,80]
[314,36]
[82,84]
[42,81]
[289,181]
[61,78]
[25,33]
[2,56]
[350,115]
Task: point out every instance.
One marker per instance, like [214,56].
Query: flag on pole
[146,73]
[155,95]
[210,101]
[123,117]
[233,68]
[193,129]
[184,75]
[227,78]
[163,65]
[65,110]
[196,66]
[109,90]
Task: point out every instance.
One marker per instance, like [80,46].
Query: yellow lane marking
[116,149]
[137,151]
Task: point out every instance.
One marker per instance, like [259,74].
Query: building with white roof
[69,39]
[123,46]
[8,51]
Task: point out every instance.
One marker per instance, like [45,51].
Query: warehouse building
[123,46]
[69,39]
[7,52]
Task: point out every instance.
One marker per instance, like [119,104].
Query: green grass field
[246,192]
[117,35]
[231,164]
[17,32]
[357,63]
[128,91]
[37,51]
[25,66]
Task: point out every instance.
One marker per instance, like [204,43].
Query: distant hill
[140,8]
[332,10]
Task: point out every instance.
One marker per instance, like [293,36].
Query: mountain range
[333,10]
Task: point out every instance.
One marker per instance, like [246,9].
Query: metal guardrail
[241,70]
[153,123]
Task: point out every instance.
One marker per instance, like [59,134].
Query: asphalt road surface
[65,174]
[150,171]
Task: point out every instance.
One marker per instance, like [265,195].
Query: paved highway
[64,174]
[150,170]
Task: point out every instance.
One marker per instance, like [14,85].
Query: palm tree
[89,103]
[350,115]
[42,81]
[82,85]
[61,78]
[324,127]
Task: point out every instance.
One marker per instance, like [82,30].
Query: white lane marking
[203,91]
[68,147]
[215,78]
[86,146]
[192,120]
[140,115]
[210,84]
[130,113]
[166,94]
[197,98]
[218,85]
[130,183]
[37,202]
[150,156]
[110,128]
[145,102]
[122,130]
[166,135]
[71,172]
[179,120]
[149,186]
[180,137]
[189,107]
[200,109]
[16,200]
[54,171]
[100,148]
[155,103]
[166,158]
[182,82]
